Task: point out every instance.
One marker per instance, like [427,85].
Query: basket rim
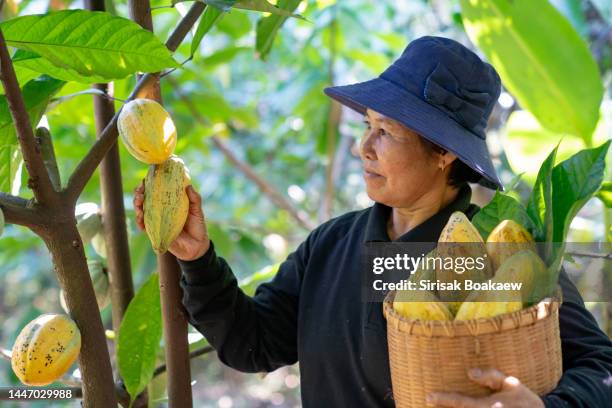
[546,308]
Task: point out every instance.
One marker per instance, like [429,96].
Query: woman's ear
[446,158]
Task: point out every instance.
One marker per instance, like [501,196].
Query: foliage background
[273,114]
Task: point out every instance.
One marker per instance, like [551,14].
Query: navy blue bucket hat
[439,89]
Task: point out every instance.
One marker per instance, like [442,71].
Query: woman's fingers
[492,378]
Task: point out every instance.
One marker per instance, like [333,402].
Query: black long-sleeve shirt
[311,312]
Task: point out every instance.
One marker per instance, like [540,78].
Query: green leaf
[523,46]
[223,5]
[265,7]
[222,56]
[10,166]
[250,284]
[35,63]
[501,207]
[139,336]
[267,27]
[235,23]
[36,96]
[210,16]
[89,42]
[605,193]
[539,207]
[575,180]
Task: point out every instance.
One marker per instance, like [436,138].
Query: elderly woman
[424,141]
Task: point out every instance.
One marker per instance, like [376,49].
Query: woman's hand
[193,241]
[509,393]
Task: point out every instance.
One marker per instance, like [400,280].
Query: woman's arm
[250,334]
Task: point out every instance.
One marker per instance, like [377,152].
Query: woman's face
[398,170]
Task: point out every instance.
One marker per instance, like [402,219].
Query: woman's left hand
[509,393]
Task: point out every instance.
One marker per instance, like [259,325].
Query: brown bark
[175,333]
[70,264]
[113,216]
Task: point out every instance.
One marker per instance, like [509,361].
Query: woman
[424,142]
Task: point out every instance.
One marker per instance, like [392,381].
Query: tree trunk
[66,248]
[113,216]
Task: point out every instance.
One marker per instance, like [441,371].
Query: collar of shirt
[428,231]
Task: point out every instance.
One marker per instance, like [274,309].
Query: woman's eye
[367,124]
[383,132]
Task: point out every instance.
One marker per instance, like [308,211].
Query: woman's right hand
[193,240]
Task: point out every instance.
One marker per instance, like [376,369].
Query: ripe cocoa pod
[524,267]
[45,349]
[166,204]
[147,131]
[484,309]
[460,241]
[99,279]
[432,309]
[506,239]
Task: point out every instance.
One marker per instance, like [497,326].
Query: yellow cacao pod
[480,310]
[458,242]
[524,267]
[432,309]
[166,204]
[45,349]
[147,131]
[506,239]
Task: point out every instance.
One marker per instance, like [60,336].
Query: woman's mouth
[368,174]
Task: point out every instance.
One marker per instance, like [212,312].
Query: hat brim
[380,95]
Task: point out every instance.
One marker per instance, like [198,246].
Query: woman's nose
[366,148]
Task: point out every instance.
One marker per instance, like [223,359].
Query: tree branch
[107,138]
[39,178]
[43,137]
[18,211]
[195,353]
[266,188]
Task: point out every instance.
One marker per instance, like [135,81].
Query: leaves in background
[266,7]
[267,27]
[605,193]
[89,42]
[36,96]
[210,16]
[139,337]
[250,284]
[10,168]
[524,48]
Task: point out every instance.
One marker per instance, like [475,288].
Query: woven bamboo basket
[427,356]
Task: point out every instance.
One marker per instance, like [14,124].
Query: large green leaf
[35,63]
[267,27]
[575,180]
[539,207]
[89,42]
[501,207]
[10,164]
[524,46]
[36,96]
[210,16]
[139,336]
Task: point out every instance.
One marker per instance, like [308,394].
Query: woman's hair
[460,173]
